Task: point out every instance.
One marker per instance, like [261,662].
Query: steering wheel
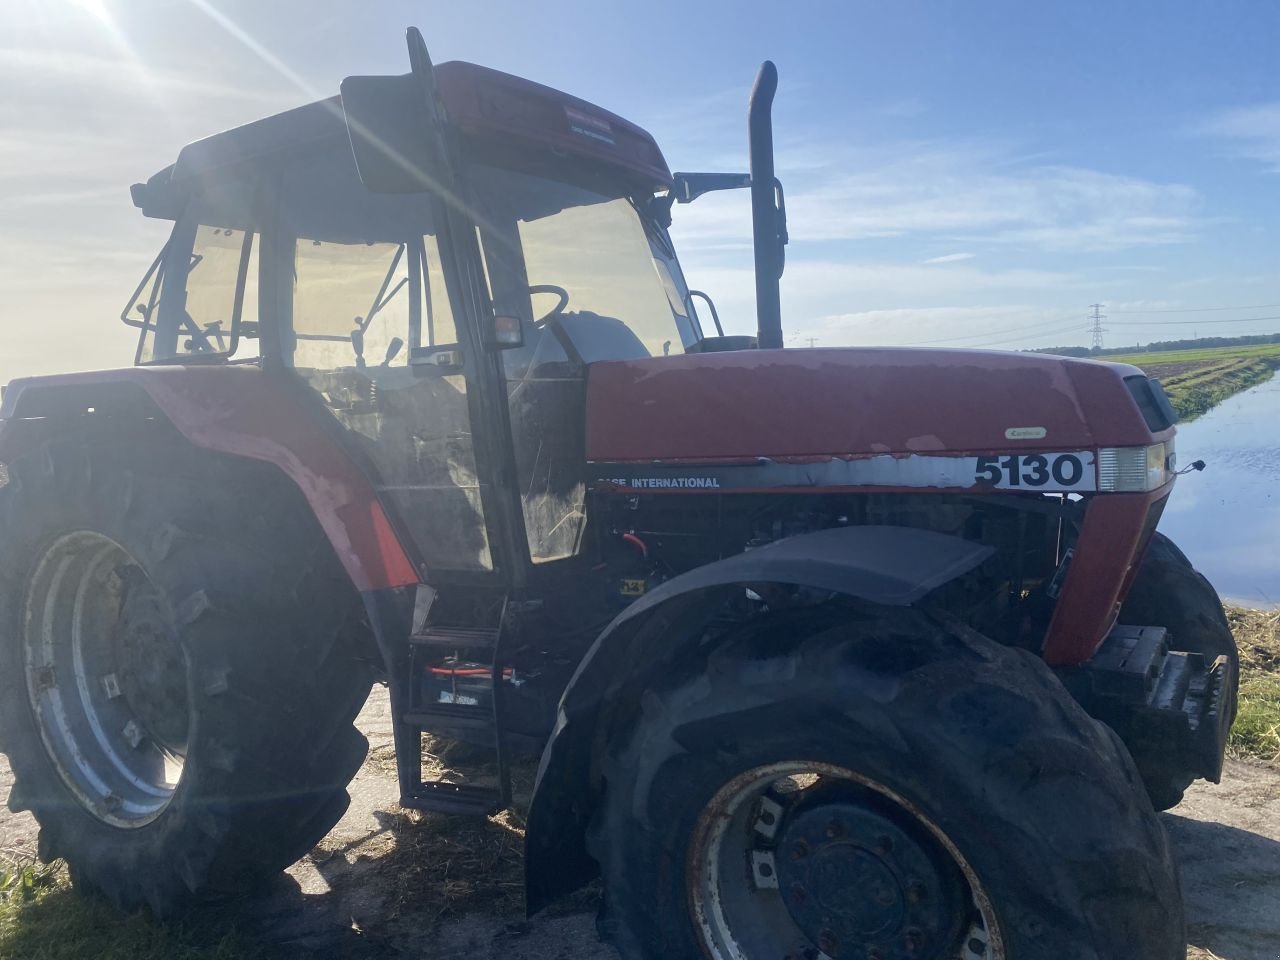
[551,321]
[555,311]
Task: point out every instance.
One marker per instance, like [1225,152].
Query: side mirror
[397,127]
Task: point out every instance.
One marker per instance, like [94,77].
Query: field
[389,884]
[1198,380]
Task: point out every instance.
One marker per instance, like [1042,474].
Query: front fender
[893,566]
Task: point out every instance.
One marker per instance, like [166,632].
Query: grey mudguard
[895,566]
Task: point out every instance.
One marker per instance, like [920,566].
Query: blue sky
[960,173]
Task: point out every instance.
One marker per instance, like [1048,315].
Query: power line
[1166,323]
[1256,306]
[1035,328]
[1074,328]
[1097,330]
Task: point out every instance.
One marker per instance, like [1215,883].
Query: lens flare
[97,9]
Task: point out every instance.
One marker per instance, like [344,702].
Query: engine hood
[837,403]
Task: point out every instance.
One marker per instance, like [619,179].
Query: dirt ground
[354,897]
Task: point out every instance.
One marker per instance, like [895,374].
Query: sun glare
[95,8]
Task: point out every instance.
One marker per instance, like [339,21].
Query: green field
[1198,380]
[1159,358]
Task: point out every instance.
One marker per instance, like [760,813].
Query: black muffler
[768,210]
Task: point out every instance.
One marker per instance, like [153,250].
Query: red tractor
[855,653]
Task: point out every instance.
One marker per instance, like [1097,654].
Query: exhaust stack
[768,213]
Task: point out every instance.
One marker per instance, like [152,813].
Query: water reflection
[1227,519]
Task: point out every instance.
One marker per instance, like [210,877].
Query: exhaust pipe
[768,214]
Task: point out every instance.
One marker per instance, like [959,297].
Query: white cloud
[820,296]
[1004,326]
[977,193]
[101,75]
[949,258]
[1253,132]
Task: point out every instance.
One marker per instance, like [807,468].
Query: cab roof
[481,103]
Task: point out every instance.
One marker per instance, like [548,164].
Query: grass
[1256,734]
[1198,380]
[42,918]
[1144,358]
[436,867]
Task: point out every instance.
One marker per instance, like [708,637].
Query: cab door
[369,318]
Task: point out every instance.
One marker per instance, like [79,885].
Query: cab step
[457,799]
[470,656]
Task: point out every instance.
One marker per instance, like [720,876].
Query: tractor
[827,653]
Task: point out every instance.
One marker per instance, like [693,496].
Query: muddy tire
[178,676]
[1169,592]
[875,780]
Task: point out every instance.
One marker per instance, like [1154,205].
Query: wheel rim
[807,860]
[106,679]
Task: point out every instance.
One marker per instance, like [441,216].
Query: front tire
[948,799]
[177,678]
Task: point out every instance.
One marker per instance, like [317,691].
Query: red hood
[840,402]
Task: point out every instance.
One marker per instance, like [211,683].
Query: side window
[215,290]
[197,294]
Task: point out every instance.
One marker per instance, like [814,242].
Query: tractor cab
[443,299]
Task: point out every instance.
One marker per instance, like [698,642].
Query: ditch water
[1226,519]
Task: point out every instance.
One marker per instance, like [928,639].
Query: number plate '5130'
[1037,471]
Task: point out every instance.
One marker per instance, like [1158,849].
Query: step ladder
[430,640]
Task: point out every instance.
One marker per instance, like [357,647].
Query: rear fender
[894,566]
[239,411]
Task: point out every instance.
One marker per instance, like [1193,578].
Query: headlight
[1135,469]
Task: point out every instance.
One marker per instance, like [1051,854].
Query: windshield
[604,285]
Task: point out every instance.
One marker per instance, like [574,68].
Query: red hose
[467,671]
[636,542]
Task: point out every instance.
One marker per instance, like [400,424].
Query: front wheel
[869,784]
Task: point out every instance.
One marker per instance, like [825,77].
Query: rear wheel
[1169,592]
[178,676]
[873,785]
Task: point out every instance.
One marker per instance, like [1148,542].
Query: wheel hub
[151,672]
[106,679]
[861,884]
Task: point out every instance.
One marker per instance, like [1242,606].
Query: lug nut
[800,850]
[133,733]
[915,891]
[828,943]
[798,892]
[884,846]
[835,829]
[913,940]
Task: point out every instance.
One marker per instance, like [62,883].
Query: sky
[967,174]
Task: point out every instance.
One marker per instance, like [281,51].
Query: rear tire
[961,744]
[162,602]
[1169,592]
